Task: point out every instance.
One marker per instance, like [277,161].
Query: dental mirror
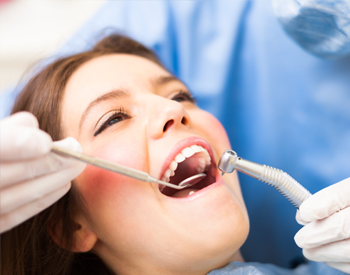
[192,180]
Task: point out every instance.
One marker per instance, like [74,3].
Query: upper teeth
[187,153]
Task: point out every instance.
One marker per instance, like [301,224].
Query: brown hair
[28,248]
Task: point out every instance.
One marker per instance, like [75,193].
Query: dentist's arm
[325,237]
[31,178]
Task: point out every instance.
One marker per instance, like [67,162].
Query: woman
[121,104]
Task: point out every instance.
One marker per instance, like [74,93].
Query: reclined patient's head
[122,105]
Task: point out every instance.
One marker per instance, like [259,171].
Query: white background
[31,30]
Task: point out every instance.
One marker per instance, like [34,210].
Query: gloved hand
[325,236]
[31,178]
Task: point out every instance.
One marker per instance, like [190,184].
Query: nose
[165,115]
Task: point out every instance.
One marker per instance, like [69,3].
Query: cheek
[212,129]
[95,184]
[217,136]
[115,149]
[105,190]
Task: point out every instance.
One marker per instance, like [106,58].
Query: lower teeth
[192,192]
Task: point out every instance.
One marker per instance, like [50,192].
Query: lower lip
[198,193]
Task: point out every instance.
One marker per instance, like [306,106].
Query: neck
[147,268]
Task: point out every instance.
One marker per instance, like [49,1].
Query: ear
[84,238]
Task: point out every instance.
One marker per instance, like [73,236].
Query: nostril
[168,125]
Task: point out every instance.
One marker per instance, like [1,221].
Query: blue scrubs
[312,268]
[281,105]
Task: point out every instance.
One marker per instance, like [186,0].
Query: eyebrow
[158,81]
[111,95]
[161,80]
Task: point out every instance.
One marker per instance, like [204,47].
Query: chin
[227,230]
[215,229]
[218,245]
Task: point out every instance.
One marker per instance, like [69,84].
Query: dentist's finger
[12,173]
[331,252]
[16,172]
[299,219]
[20,142]
[21,214]
[13,197]
[326,202]
[20,119]
[334,228]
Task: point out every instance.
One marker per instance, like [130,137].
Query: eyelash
[105,124]
[186,96]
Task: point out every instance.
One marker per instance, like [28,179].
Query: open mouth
[191,161]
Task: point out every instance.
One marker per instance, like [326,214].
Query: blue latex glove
[321,27]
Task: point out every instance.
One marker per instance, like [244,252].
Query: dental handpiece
[284,183]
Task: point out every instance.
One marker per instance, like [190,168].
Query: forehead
[107,73]
[102,75]
[114,71]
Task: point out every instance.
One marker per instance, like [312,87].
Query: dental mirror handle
[284,183]
[111,166]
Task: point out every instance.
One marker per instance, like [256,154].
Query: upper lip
[183,144]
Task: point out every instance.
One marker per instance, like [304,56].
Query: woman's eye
[116,117]
[184,96]
[115,120]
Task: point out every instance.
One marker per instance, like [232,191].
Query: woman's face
[128,110]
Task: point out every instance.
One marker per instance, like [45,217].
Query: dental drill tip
[227,162]
[222,173]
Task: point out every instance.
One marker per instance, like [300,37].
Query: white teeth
[180,158]
[201,165]
[192,192]
[203,161]
[167,173]
[188,152]
[173,165]
[207,160]
[196,148]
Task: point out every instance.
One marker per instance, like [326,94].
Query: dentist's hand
[31,178]
[326,234]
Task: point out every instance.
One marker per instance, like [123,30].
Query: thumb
[21,139]
[20,119]
[299,219]
[326,202]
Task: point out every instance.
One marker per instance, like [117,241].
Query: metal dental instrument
[284,183]
[130,172]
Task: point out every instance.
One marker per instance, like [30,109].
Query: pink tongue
[183,193]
